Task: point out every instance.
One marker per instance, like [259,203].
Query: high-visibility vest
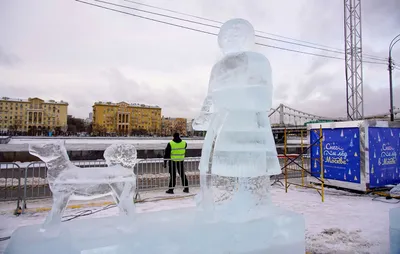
[178,150]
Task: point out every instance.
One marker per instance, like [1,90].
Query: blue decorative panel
[384,150]
[341,154]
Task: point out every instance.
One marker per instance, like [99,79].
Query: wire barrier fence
[22,183]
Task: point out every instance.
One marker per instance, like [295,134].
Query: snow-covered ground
[344,223]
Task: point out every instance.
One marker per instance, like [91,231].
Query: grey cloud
[281,91]
[316,65]
[172,100]
[381,15]
[321,81]
[376,101]
[132,50]
[8,59]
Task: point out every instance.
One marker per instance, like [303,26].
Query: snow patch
[338,240]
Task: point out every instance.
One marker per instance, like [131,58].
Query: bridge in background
[286,117]
[294,121]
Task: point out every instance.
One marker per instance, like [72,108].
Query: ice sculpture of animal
[68,181]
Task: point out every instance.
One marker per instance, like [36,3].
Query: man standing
[175,155]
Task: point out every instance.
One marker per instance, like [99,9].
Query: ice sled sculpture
[68,181]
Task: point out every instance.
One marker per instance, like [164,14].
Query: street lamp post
[392,43]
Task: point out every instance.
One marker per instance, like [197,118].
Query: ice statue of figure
[202,122]
[239,152]
[68,181]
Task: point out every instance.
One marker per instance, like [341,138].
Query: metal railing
[10,181]
[35,185]
[152,175]
[27,183]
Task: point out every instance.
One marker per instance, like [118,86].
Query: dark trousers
[173,167]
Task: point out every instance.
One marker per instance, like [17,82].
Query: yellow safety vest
[178,150]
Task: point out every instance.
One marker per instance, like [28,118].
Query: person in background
[175,155]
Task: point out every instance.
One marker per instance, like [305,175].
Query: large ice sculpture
[239,145]
[68,181]
[239,153]
[202,122]
[235,214]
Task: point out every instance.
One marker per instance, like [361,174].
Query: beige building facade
[32,115]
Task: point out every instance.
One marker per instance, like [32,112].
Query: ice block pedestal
[394,230]
[180,231]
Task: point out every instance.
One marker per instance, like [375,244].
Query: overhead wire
[213,26]
[324,47]
[151,19]
[200,30]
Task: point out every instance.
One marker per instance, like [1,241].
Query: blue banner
[341,154]
[384,150]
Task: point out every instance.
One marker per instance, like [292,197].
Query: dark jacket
[167,152]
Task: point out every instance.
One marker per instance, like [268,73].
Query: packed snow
[344,223]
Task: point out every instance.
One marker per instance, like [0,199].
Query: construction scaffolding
[298,167]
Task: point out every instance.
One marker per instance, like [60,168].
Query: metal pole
[285,160]
[391,87]
[390,67]
[321,161]
[302,159]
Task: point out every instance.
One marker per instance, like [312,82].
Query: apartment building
[126,118]
[32,115]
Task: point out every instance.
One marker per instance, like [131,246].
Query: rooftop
[174,118]
[30,99]
[108,103]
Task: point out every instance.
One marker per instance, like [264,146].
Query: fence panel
[151,174]
[35,179]
[10,181]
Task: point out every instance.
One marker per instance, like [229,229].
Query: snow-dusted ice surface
[68,181]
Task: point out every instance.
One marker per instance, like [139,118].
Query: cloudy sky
[66,50]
